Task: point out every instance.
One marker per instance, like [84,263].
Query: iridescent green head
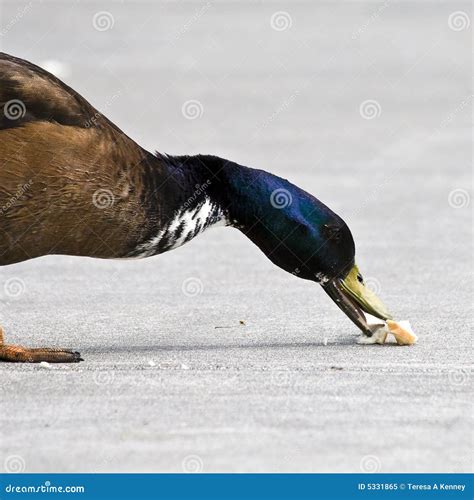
[303,236]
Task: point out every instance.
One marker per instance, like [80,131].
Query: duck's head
[301,235]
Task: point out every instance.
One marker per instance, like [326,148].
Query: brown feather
[54,165]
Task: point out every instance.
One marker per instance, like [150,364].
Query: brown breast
[70,180]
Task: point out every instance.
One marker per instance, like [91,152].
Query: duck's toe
[20,354]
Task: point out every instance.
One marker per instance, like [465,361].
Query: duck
[73,183]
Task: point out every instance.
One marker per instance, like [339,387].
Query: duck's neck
[185,195]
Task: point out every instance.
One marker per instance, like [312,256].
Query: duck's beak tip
[354,298]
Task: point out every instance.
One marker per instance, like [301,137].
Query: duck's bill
[354,298]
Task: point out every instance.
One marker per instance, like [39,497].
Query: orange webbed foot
[20,354]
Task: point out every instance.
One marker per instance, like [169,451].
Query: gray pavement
[162,388]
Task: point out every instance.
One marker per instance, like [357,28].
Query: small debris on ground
[241,322]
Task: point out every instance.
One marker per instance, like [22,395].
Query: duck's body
[107,205]
[72,183]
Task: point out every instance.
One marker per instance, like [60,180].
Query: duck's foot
[20,354]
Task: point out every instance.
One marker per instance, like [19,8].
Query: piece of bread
[402,332]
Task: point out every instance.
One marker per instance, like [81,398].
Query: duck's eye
[360,279]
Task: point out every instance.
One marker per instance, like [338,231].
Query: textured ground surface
[163,389]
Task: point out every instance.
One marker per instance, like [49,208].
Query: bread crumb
[402,331]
